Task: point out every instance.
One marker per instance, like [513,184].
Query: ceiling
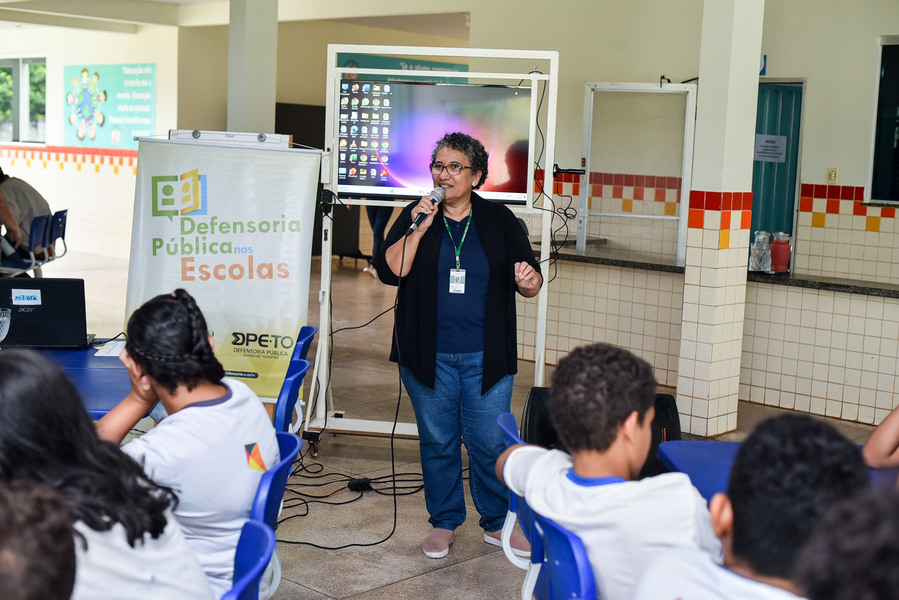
[126,16]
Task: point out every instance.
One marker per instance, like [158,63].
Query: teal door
[774,177]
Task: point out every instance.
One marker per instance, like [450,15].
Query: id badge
[457,281]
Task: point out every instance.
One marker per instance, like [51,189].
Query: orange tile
[670,209]
[617,191]
[806,204]
[724,240]
[872,224]
[638,193]
[818,219]
[661,195]
[597,191]
[746,220]
[889,213]
[627,206]
[725,220]
[696,218]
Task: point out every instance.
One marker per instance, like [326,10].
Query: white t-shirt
[212,454]
[623,524]
[110,569]
[692,575]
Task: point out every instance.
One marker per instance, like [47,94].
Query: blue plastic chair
[521,512]
[254,551]
[566,565]
[304,341]
[267,503]
[57,232]
[290,392]
[13,266]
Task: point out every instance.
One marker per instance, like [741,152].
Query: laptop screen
[43,312]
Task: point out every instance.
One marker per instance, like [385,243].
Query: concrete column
[720,206]
[252,65]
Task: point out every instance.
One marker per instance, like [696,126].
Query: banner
[231,224]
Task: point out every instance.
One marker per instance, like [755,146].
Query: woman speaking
[458,269]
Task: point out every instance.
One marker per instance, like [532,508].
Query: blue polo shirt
[461,317]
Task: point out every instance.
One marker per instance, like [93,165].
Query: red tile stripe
[839,200]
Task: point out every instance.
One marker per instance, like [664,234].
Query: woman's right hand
[427,206]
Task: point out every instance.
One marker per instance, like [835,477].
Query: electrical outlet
[832,175]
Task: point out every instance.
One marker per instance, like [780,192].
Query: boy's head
[595,389]
[785,476]
[854,550]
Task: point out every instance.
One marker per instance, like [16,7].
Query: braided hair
[168,338]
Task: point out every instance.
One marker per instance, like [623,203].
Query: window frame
[21,99]
[884,40]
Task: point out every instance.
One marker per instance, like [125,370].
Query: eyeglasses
[453,168]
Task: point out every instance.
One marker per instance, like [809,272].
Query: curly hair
[47,436]
[168,338]
[853,552]
[37,543]
[468,146]
[593,391]
[786,474]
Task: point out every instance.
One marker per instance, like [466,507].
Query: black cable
[320,499]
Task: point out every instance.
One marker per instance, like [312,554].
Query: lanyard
[458,248]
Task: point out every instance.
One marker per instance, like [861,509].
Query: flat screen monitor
[388,129]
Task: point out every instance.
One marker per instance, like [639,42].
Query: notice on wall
[108,106]
[770,148]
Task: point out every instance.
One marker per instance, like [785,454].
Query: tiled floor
[364,385]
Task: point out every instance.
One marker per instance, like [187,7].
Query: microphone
[437,195]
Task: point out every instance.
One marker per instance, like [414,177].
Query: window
[885,176]
[23,86]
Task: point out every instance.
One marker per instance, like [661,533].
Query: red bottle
[780,253]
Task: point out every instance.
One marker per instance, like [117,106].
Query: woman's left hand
[527,279]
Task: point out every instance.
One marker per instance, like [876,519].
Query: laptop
[43,313]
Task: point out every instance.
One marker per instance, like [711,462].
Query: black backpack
[537,427]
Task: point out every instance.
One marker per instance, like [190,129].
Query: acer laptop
[43,313]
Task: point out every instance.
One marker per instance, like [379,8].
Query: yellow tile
[872,224]
[818,219]
[627,206]
[724,240]
[670,209]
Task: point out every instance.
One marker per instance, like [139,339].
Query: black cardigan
[505,243]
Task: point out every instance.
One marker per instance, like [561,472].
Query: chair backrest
[304,341]
[510,429]
[267,503]
[254,551]
[290,391]
[38,234]
[565,563]
[57,230]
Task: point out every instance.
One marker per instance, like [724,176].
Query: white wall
[65,47]
[833,45]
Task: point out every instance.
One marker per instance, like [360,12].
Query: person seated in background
[786,474]
[216,442]
[881,451]
[601,403]
[128,544]
[37,543]
[853,552]
[19,205]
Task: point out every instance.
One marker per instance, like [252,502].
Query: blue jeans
[453,412]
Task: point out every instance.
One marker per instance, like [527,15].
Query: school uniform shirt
[624,524]
[212,454]
[109,569]
[692,575]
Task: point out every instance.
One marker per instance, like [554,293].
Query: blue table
[102,381]
[708,464]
